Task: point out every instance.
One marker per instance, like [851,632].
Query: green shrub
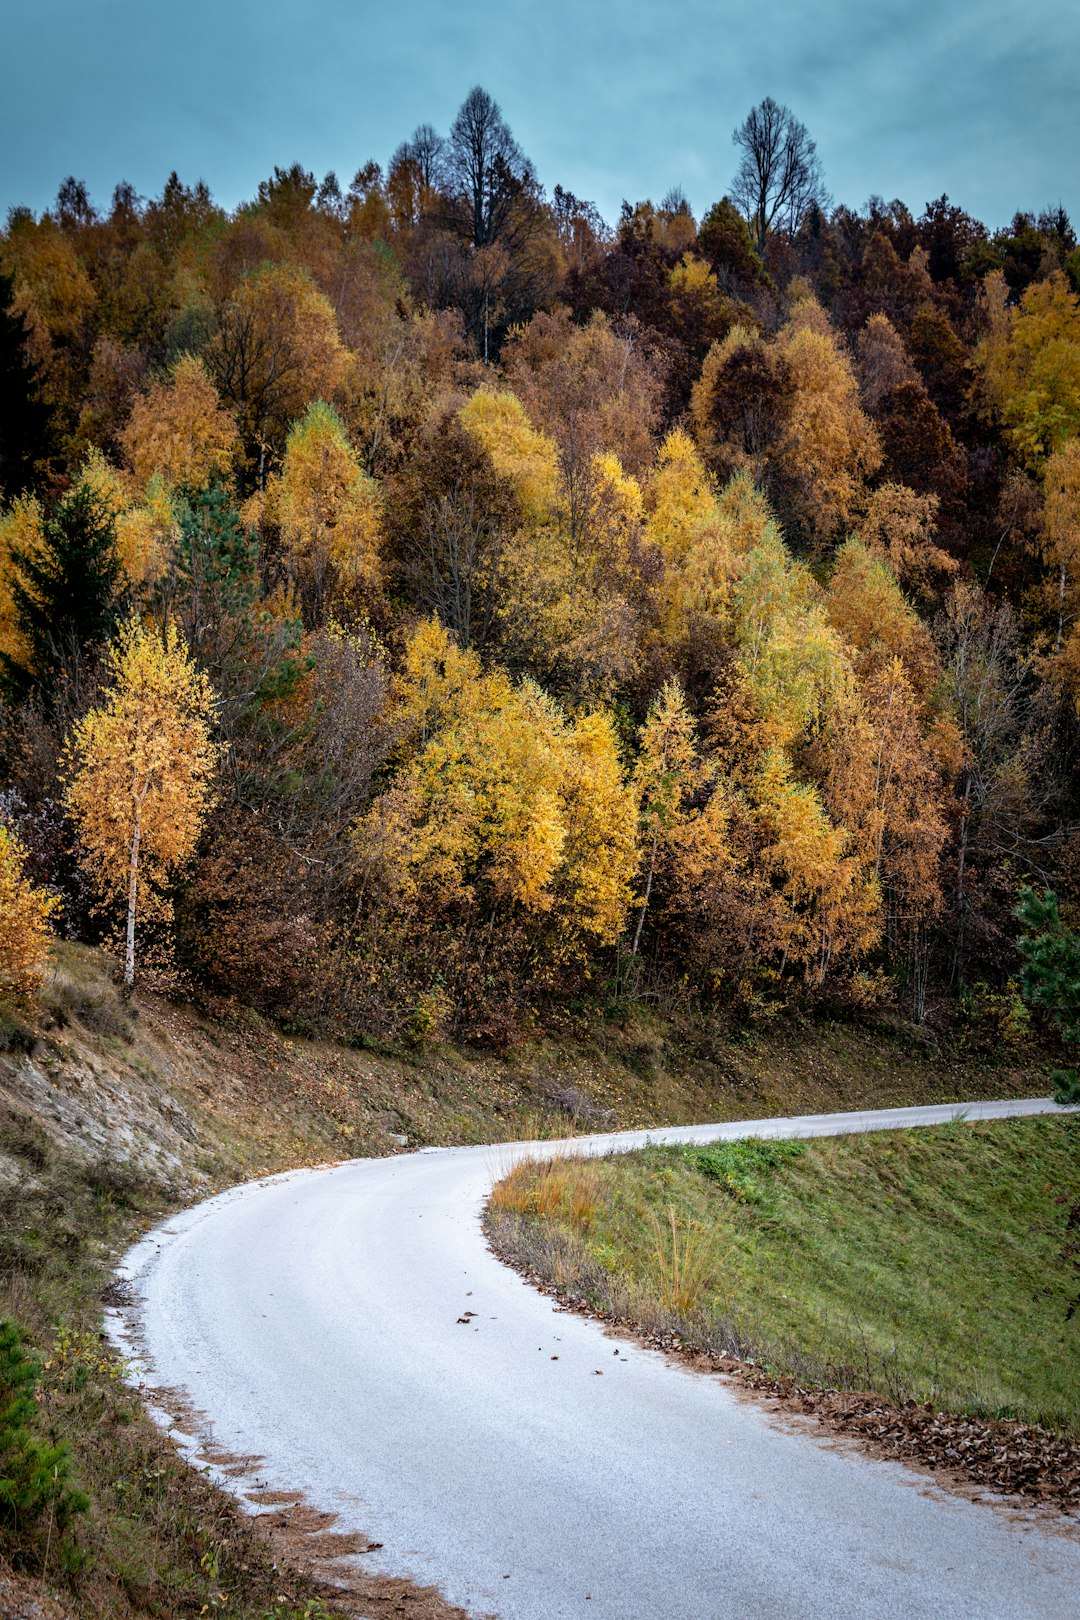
[744,1168]
[1066,1085]
[33,1474]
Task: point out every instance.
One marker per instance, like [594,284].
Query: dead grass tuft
[566,1189]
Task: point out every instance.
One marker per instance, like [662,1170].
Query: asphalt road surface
[313,1318]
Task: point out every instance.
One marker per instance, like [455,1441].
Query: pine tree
[33,1474]
[67,592]
[1050,978]
[24,416]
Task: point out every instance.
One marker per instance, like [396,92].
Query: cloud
[904,99]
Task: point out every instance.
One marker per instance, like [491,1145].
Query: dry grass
[567,1190]
[687,1259]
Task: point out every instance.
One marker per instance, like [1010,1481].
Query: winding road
[314,1319]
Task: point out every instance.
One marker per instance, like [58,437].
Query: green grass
[937,1265]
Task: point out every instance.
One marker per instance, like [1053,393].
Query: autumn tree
[140,767]
[505,820]
[179,431]
[665,776]
[274,347]
[779,173]
[328,512]
[1028,362]
[450,517]
[25,934]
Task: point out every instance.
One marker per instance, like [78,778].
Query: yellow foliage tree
[523,455]
[275,347]
[572,583]
[501,802]
[868,608]
[666,773]
[898,525]
[21,530]
[830,903]
[146,524]
[1029,364]
[828,446]
[139,768]
[25,934]
[179,431]
[328,510]
[791,659]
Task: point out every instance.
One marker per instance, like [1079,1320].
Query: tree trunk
[645,900]
[133,889]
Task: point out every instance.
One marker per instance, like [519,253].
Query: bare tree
[487,168]
[779,172]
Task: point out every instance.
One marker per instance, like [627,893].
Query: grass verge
[939,1267]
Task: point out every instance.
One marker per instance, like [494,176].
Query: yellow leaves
[20,530]
[681,499]
[145,529]
[499,801]
[328,509]
[898,526]
[615,501]
[829,445]
[526,457]
[601,847]
[1029,363]
[695,279]
[52,288]
[179,431]
[832,901]
[867,607]
[25,934]
[792,660]
[143,756]
[667,767]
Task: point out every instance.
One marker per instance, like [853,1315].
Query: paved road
[313,1318]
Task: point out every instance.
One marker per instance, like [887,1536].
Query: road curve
[313,1318]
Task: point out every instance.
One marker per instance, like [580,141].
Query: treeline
[681,610]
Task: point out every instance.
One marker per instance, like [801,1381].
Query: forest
[430,611]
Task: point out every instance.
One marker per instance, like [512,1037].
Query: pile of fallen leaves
[1017,1458]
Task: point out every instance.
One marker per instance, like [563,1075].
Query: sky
[905,98]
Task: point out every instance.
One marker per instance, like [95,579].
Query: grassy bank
[936,1265]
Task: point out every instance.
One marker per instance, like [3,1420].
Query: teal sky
[976,98]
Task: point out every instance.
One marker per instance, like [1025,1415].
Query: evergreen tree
[68,594]
[33,1474]
[1051,975]
[24,416]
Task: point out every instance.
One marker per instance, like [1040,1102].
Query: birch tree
[139,769]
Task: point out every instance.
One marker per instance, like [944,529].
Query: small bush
[1066,1086]
[744,1168]
[33,1475]
[15,1035]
